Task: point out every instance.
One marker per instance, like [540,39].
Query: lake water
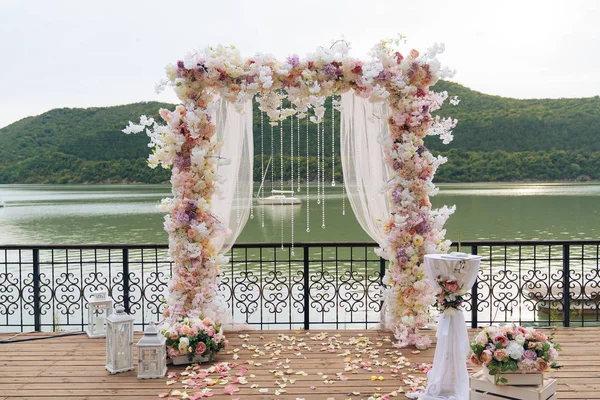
[92,214]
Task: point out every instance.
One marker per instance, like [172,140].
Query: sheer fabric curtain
[363,164]
[232,205]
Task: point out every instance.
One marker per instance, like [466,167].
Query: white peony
[515,350]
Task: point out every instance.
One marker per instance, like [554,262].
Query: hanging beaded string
[307,182]
[332,143]
[281,169]
[273,162]
[343,180]
[292,153]
[318,163]
[298,155]
[292,175]
[251,189]
[262,170]
[237,201]
[323,173]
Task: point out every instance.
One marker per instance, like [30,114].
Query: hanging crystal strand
[343,180]
[292,153]
[292,172]
[318,163]
[273,162]
[298,155]
[307,182]
[332,143]
[343,198]
[323,173]
[262,170]
[281,169]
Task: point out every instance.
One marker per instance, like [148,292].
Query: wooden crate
[515,378]
[482,389]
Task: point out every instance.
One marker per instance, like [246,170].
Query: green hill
[497,138]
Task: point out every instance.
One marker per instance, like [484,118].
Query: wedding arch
[385,104]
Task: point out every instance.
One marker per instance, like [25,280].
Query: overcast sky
[104,52]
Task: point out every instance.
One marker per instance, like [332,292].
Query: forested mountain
[497,138]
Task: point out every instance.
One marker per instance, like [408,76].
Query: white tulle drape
[232,204]
[363,163]
[234,178]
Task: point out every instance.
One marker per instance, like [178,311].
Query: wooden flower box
[483,389]
[182,360]
[516,378]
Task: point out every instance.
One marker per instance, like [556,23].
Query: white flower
[515,350]
[184,343]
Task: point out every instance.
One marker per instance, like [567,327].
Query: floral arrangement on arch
[187,144]
[193,337]
[513,349]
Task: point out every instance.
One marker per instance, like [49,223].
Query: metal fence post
[126,280]
[474,295]
[566,284]
[37,317]
[306,290]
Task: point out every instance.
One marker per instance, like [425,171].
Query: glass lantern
[99,308]
[119,341]
[152,354]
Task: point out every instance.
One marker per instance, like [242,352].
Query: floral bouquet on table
[514,349]
[194,337]
[450,295]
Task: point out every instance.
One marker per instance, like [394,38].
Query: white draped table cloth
[449,379]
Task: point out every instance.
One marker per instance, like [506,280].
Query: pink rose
[173,352]
[540,337]
[486,357]
[174,336]
[186,330]
[502,339]
[500,354]
[474,359]
[451,286]
[541,364]
[207,321]
[200,348]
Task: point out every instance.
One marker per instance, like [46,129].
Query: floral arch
[216,88]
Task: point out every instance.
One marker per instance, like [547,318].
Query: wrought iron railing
[315,285]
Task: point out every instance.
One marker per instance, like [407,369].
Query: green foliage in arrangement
[497,139]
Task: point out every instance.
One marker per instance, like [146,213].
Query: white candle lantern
[119,341]
[99,308]
[152,354]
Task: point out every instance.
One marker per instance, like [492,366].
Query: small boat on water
[279,197]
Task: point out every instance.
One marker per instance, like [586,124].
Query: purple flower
[182,217]
[422,227]
[421,149]
[384,76]
[396,195]
[529,354]
[192,205]
[180,64]
[491,347]
[397,165]
[294,61]
[182,162]
[330,70]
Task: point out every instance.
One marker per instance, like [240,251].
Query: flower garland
[187,144]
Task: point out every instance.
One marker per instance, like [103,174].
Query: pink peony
[200,348]
[451,286]
[541,364]
[486,357]
[540,337]
[500,354]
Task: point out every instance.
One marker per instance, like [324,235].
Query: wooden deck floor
[280,365]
